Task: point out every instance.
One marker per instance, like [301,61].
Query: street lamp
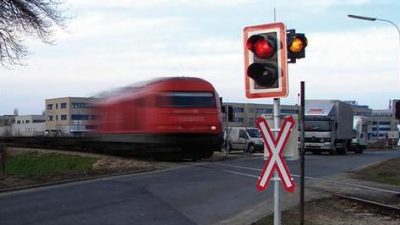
[375,19]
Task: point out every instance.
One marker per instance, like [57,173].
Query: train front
[187,114]
[178,115]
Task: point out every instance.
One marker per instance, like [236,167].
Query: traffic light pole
[277,196]
[227,132]
[302,152]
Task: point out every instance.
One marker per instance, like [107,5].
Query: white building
[28,125]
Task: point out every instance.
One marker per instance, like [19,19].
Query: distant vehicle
[328,126]
[177,115]
[360,126]
[247,139]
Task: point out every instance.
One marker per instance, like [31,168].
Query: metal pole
[2,160]
[228,138]
[302,158]
[277,208]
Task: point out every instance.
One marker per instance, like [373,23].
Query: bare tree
[20,19]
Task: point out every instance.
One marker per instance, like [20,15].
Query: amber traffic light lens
[297,45]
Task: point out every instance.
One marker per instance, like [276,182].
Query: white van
[247,139]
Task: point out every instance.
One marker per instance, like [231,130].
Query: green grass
[36,164]
[387,172]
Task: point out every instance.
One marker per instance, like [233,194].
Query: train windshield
[187,100]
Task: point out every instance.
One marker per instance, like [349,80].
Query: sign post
[2,160]
[266,76]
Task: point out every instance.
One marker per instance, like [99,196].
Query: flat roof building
[28,125]
[68,116]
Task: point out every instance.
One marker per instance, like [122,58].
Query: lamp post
[376,19]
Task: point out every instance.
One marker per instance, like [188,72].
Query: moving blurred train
[175,115]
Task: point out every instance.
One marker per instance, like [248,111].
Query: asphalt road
[186,193]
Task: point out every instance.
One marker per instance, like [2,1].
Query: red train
[180,115]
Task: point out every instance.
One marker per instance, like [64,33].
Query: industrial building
[380,122]
[28,125]
[68,116]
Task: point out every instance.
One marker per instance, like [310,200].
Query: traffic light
[231,114]
[397,110]
[296,45]
[265,60]
[221,105]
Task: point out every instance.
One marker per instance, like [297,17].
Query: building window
[27,121]
[79,117]
[289,111]
[63,105]
[49,106]
[63,117]
[79,105]
[56,105]
[238,110]
[238,119]
[264,111]
[251,121]
[56,117]
[50,118]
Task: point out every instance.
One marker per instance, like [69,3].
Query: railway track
[387,200]
[369,194]
[94,145]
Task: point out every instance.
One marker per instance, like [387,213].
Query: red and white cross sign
[276,160]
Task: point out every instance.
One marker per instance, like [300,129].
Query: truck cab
[318,134]
[328,126]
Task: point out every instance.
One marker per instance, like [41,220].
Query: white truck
[360,127]
[328,126]
[247,139]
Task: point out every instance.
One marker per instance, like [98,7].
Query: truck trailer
[328,126]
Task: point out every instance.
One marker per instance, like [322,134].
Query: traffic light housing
[231,114]
[397,110]
[265,61]
[296,45]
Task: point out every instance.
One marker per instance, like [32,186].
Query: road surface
[187,193]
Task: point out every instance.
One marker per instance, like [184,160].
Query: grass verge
[37,164]
[387,172]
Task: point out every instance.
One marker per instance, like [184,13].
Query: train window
[187,99]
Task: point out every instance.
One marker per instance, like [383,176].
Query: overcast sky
[113,43]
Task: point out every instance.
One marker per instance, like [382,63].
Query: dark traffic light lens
[263,48]
[263,74]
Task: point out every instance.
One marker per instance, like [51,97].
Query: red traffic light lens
[263,48]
